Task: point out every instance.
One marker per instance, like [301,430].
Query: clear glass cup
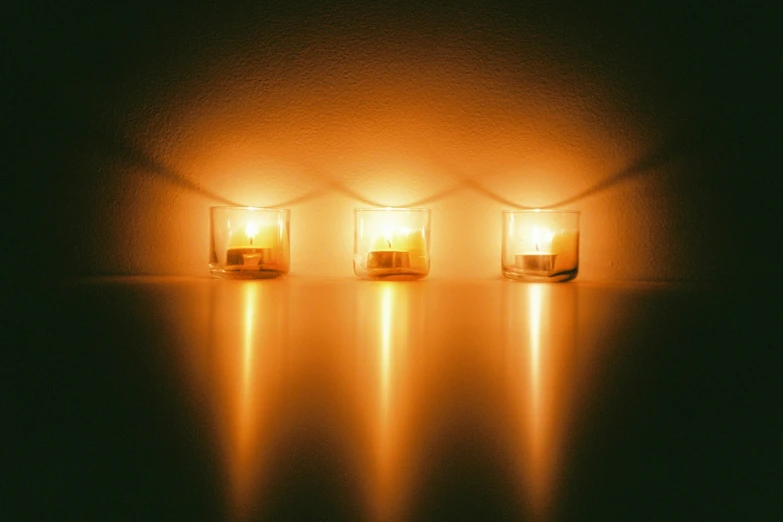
[391,243]
[249,242]
[540,245]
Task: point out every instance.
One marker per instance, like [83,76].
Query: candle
[540,245]
[392,251]
[248,258]
[251,254]
[391,243]
[388,259]
[249,243]
[538,261]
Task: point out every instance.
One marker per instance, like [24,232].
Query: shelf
[203,399]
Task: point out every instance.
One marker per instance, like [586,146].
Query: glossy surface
[196,399]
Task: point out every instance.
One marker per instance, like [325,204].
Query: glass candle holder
[249,242]
[540,245]
[391,243]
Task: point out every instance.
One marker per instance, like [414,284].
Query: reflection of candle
[249,256]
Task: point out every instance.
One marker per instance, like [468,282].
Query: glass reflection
[386,400]
[540,338]
[389,321]
[247,331]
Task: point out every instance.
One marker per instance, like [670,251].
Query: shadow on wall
[666,154]
[466,207]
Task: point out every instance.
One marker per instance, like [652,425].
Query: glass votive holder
[391,244]
[249,242]
[540,245]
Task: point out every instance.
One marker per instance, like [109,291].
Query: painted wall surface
[128,123]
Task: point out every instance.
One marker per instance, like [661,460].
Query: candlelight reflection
[387,328]
[385,369]
[248,323]
[540,331]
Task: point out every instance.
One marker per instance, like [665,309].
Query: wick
[536,246]
[388,243]
[251,240]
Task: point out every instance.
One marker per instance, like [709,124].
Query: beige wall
[466,110]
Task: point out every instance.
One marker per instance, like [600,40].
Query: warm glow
[388,236]
[386,429]
[250,231]
[245,434]
[398,238]
[388,321]
[243,340]
[468,126]
[387,326]
[243,439]
[539,436]
[393,390]
[391,244]
[541,239]
[257,234]
[534,318]
[541,345]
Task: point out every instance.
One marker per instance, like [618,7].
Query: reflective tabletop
[301,399]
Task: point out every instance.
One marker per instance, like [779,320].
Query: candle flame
[540,236]
[388,232]
[398,235]
[251,230]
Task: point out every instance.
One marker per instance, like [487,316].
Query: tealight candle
[538,261]
[392,259]
[540,245]
[249,243]
[391,243]
[248,256]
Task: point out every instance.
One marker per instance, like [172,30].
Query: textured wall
[131,122]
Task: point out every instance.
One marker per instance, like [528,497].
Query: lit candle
[391,243]
[249,242]
[543,258]
[390,251]
[540,245]
[251,254]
